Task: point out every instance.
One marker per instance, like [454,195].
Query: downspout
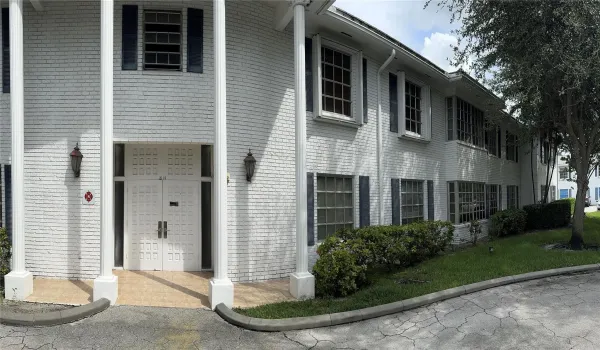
[380,136]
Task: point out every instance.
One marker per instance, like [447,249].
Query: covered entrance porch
[160,289]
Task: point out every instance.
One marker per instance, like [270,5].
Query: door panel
[145,207]
[181,212]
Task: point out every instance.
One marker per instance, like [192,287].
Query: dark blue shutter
[129,37]
[499,142]
[430,207]
[395,201]
[310,212]
[8,199]
[393,90]
[5,51]
[195,40]
[365,98]
[309,73]
[364,201]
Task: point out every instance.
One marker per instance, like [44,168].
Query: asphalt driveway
[553,313]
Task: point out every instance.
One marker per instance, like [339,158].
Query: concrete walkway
[553,313]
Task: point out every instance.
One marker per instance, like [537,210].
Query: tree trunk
[532,177]
[582,165]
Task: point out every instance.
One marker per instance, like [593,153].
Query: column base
[220,291]
[106,287]
[18,285]
[302,285]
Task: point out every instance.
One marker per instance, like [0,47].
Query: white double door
[164,225]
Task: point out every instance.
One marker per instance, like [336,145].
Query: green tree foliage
[543,57]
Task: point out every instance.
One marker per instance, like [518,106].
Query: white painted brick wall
[62,97]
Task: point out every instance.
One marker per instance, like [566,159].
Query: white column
[19,282]
[220,289]
[106,285]
[302,283]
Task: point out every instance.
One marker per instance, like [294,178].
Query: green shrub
[345,257]
[5,254]
[508,222]
[337,272]
[548,215]
[571,201]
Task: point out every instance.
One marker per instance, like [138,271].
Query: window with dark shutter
[309,73]
[393,90]
[365,98]
[364,201]
[162,40]
[310,212]
[8,199]
[430,201]
[5,51]
[195,40]
[129,37]
[395,201]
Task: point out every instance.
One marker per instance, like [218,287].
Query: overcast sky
[427,31]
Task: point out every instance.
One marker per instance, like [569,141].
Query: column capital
[299,2]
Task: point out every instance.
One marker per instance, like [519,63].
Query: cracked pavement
[552,313]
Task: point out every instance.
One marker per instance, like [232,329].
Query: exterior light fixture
[250,163]
[76,157]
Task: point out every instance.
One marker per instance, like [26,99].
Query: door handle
[160,229]
[166,229]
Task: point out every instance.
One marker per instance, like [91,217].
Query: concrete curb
[54,317]
[297,323]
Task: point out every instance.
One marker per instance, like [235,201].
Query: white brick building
[169,85]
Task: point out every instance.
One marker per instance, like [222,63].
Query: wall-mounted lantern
[250,163]
[76,157]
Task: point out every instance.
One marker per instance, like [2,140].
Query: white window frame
[356,57]
[336,207]
[423,204]
[567,174]
[512,196]
[514,155]
[425,108]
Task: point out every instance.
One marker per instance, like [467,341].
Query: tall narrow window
[413,107]
[412,201]
[336,81]
[512,196]
[469,123]
[492,199]
[512,147]
[162,40]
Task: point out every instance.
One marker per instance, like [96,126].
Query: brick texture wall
[62,107]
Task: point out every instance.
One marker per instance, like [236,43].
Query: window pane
[321,202]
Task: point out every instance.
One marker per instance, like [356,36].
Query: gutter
[380,136]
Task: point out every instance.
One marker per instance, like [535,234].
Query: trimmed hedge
[508,222]
[346,256]
[548,215]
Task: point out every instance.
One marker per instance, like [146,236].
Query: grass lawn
[511,256]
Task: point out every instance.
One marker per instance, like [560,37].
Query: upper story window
[410,112]
[512,147]
[336,79]
[545,153]
[465,122]
[563,172]
[337,84]
[412,117]
[493,140]
[162,40]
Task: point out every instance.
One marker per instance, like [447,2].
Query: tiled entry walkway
[159,288]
